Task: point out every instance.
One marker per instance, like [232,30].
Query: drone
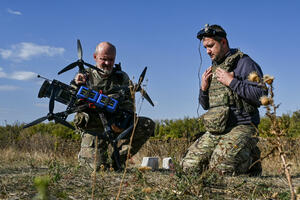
[89,99]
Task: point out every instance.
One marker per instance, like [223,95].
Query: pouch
[81,120]
[215,119]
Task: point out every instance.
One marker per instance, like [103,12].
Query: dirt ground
[66,180]
[74,182]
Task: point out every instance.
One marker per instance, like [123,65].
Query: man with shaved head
[108,81]
[104,56]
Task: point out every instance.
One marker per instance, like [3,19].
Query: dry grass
[70,181]
[272,164]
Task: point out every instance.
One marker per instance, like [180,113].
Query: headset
[209,31]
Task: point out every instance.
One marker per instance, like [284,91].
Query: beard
[106,71]
[218,58]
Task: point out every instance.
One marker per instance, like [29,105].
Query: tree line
[190,127]
[164,129]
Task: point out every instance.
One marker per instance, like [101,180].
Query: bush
[187,127]
[290,124]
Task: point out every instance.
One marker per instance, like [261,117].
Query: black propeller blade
[63,122]
[51,102]
[35,122]
[146,96]
[70,66]
[79,50]
[142,76]
[93,67]
[80,63]
[141,90]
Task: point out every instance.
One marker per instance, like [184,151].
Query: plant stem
[95,168]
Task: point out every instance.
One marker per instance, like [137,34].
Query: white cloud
[18,75]
[14,12]
[22,75]
[2,73]
[27,50]
[5,53]
[8,87]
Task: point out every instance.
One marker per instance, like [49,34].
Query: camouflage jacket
[109,86]
[242,95]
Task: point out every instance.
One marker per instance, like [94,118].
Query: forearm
[203,99]
[250,91]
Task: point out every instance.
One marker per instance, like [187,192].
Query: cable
[199,76]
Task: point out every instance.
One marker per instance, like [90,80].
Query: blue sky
[39,37]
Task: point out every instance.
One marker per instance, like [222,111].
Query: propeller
[146,96]
[139,88]
[35,122]
[142,76]
[51,116]
[80,63]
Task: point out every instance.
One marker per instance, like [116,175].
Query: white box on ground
[150,162]
[167,162]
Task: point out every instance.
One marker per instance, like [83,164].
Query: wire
[199,76]
[139,104]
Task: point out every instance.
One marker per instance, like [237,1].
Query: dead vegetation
[19,170]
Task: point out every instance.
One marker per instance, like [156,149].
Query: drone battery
[86,93]
[106,102]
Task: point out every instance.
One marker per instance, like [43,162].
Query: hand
[224,77]
[206,76]
[80,79]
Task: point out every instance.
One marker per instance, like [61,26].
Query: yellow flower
[253,76]
[268,79]
[265,100]
[102,167]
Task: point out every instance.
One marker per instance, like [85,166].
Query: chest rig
[105,84]
[221,97]
[219,94]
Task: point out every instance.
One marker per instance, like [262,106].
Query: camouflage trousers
[230,153]
[86,156]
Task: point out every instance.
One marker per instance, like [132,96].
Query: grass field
[24,171]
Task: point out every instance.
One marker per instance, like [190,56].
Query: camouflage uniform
[228,153]
[226,148]
[90,121]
